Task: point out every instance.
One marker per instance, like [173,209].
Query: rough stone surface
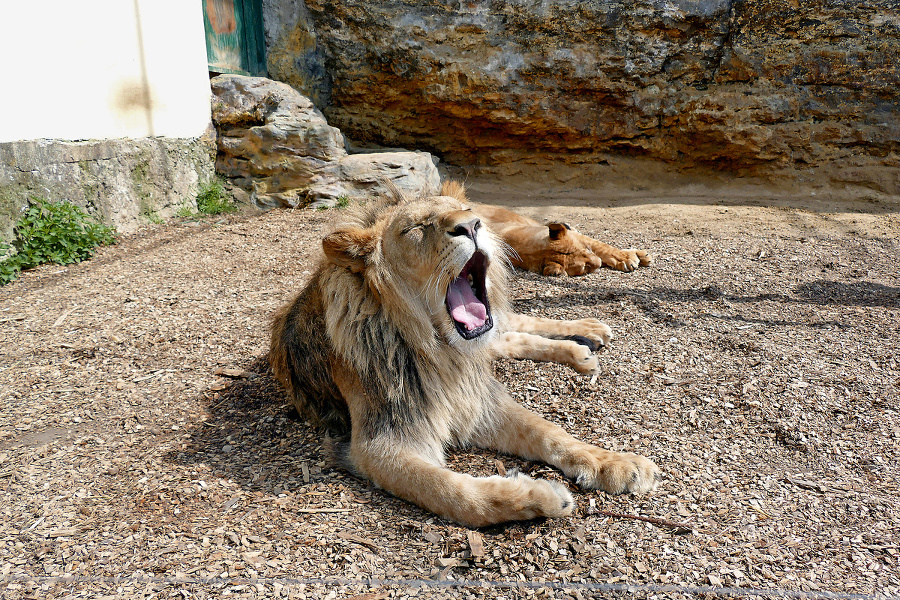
[291,51]
[274,143]
[746,86]
[125,182]
[363,175]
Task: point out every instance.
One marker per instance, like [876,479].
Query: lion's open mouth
[467,300]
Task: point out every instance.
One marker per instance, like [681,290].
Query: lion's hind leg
[518,431]
[471,501]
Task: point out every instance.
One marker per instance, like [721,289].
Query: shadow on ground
[651,301]
[252,436]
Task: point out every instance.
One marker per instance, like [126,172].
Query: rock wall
[124,182]
[744,86]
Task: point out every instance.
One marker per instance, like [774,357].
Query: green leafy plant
[340,203]
[60,233]
[212,199]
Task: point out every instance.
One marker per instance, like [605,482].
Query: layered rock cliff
[747,86]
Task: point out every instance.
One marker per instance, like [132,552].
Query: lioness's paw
[630,259]
[579,268]
[618,472]
[643,258]
[553,270]
[627,260]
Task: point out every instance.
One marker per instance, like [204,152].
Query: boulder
[744,86]
[362,175]
[273,142]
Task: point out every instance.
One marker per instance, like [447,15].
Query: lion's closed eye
[414,232]
[417,229]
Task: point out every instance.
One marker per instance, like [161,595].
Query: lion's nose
[467,229]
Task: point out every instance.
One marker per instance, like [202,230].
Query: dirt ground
[146,452]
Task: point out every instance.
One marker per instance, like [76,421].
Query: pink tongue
[465,308]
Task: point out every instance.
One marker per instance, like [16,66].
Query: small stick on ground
[654,520]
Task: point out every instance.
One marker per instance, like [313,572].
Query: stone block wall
[124,182]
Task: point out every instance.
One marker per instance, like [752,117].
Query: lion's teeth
[470,279]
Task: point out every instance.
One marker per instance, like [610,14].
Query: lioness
[553,249]
[391,341]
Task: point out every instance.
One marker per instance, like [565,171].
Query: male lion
[391,341]
[553,249]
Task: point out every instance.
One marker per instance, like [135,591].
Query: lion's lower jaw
[471,346]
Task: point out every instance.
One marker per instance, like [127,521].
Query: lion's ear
[557,230]
[349,248]
[455,189]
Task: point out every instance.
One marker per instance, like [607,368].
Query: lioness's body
[391,341]
[552,248]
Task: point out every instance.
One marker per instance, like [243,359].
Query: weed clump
[212,199]
[60,233]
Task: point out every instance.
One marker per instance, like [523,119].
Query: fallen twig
[63,317]
[344,535]
[655,520]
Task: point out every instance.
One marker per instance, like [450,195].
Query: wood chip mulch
[146,452]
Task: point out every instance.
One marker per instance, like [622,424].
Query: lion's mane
[415,384]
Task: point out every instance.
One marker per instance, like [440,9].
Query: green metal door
[234,36]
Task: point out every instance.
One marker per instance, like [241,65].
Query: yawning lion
[391,342]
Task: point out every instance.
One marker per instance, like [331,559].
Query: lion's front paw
[539,498]
[583,359]
[561,503]
[617,472]
[594,330]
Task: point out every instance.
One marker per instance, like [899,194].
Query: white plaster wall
[103,69]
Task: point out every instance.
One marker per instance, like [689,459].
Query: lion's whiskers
[506,254]
[431,292]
